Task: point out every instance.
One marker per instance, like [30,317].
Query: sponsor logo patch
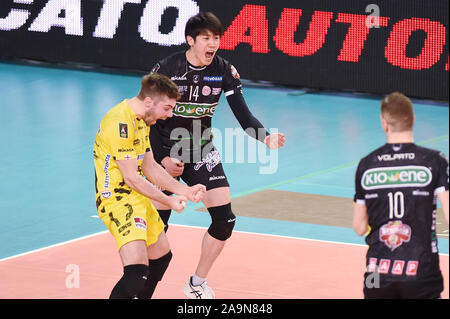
[106,170]
[420,193]
[397,268]
[196,78]
[372,266]
[394,234]
[394,157]
[214,177]
[178,78]
[212,159]
[140,223]
[206,90]
[156,68]
[106,194]
[385,264]
[411,268]
[216,91]
[195,110]
[235,73]
[123,130]
[401,176]
[212,78]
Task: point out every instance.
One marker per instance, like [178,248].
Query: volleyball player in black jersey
[202,76]
[395,206]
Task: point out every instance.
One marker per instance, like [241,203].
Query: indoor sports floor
[293,236]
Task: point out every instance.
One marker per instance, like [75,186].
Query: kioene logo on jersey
[394,234]
[195,110]
[401,176]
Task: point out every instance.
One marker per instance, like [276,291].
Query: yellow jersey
[121,136]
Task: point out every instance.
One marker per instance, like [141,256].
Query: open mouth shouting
[209,55]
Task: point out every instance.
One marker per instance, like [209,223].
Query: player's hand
[275,141]
[173,166]
[195,193]
[178,203]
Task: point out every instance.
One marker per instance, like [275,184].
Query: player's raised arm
[249,123]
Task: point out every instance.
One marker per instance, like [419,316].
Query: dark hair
[155,85]
[201,22]
[397,110]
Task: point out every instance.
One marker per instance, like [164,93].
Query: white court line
[54,245]
[280,236]
[200,227]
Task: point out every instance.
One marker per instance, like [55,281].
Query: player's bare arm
[128,168]
[159,176]
[360,219]
[443,199]
[173,166]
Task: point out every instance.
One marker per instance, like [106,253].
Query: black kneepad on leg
[131,283]
[157,268]
[223,221]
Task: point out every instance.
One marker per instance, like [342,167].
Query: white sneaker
[198,292]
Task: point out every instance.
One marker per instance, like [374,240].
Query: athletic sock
[196,280]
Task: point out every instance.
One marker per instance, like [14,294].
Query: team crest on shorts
[394,234]
[212,159]
[140,223]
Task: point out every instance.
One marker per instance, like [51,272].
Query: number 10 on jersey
[396,205]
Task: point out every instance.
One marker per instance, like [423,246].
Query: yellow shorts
[133,220]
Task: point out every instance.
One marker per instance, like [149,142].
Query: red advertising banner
[357,45]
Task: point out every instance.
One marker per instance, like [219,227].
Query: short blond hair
[155,85]
[397,109]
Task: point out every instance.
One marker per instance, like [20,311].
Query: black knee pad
[159,266]
[133,280]
[223,221]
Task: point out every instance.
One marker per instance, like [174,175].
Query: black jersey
[200,89]
[399,184]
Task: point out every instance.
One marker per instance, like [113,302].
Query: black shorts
[209,172]
[418,289]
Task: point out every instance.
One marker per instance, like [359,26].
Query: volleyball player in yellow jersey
[124,167]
